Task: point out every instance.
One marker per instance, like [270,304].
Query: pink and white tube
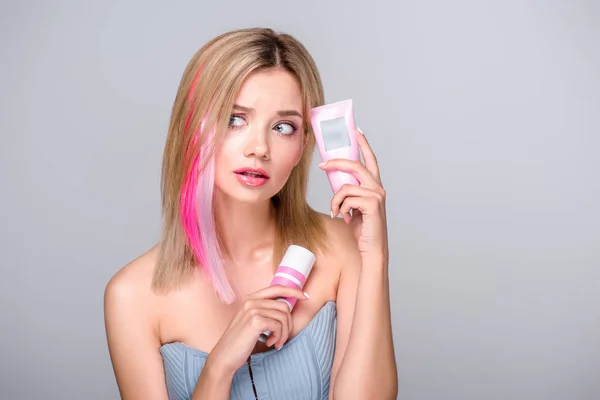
[335,134]
[293,271]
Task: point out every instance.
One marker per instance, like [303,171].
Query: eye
[285,128]
[235,121]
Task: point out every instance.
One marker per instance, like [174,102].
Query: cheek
[289,158]
[223,163]
[224,155]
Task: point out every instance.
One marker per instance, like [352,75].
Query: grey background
[485,117]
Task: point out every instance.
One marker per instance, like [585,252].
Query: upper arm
[350,264]
[132,342]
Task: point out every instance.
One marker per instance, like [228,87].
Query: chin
[252,199]
[248,196]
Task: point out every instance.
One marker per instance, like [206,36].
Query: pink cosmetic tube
[293,272]
[335,133]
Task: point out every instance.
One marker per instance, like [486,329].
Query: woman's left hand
[367,201]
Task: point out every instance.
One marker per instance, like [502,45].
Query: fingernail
[322,164]
[307,296]
[360,130]
[331,212]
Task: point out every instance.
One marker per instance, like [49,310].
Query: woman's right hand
[258,312]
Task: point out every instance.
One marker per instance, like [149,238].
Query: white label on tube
[335,133]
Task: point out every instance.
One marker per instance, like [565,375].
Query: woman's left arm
[364,364]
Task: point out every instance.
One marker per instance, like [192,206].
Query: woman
[183,319]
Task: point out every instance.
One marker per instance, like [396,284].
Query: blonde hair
[199,118]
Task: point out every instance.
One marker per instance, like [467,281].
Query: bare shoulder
[130,286]
[135,277]
[131,323]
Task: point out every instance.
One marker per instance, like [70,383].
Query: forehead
[270,91]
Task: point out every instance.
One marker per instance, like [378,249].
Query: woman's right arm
[132,341]
[134,348]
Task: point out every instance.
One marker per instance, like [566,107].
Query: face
[265,139]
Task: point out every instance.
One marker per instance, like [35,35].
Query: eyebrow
[281,113]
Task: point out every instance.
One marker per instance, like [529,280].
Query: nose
[257,144]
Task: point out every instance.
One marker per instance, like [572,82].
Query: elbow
[393,391]
[390,382]
[378,394]
[387,390]
[379,383]
[392,386]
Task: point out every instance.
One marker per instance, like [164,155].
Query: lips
[252,172]
[251,177]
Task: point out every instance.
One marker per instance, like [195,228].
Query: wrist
[214,381]
[217,370]
[375,261]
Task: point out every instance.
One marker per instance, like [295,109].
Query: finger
[365,205]
[285,332]
[275,291]
[370,159]
[346,213]
[280,332]
[361,173]
[346,209]
[282,307]
[273,338]
[345,191]
[257,315]
[270,304]
[259,323]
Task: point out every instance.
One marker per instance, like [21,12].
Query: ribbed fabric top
[299,370]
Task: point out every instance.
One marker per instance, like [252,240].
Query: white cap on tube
[298,258]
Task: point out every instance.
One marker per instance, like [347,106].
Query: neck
[247,230]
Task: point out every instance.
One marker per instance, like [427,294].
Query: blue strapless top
[299,370]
